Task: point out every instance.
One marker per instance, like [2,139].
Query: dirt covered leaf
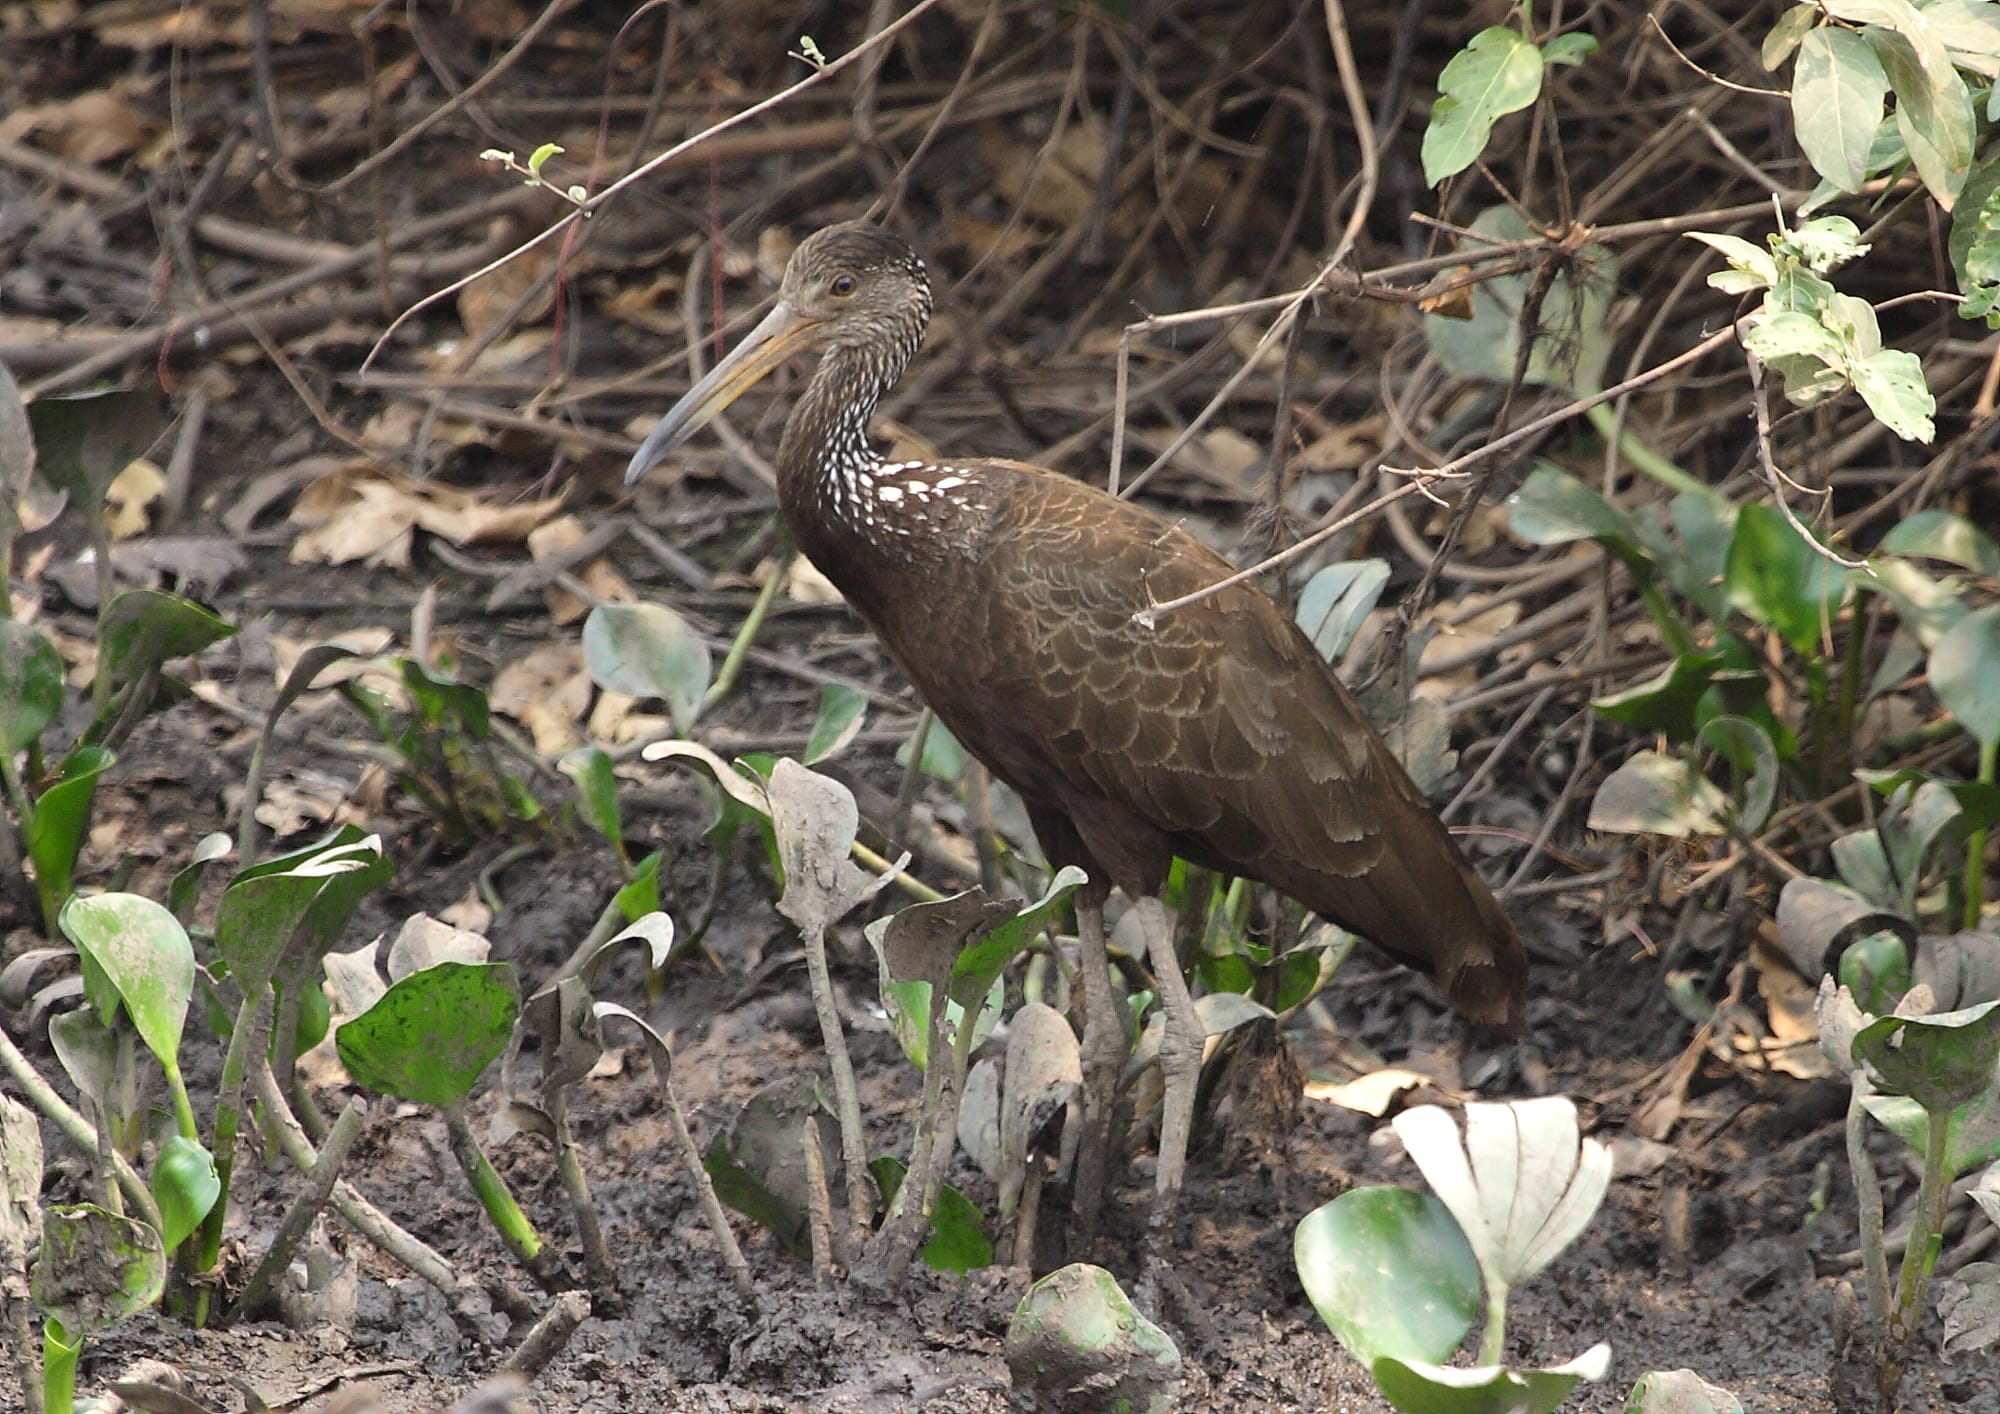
[31,684]
[1969,1302]
[96,1268]
[1680,1392]
[815,820]
[1076,1341]
[1658,793]
[20,1191]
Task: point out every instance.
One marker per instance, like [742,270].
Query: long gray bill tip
[647,457]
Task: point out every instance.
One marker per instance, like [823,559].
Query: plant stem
[753,623]
[1493,1339]
[251,1020]
[1868,1200]
[1975,844]
[299,1217]
[1643,457]
[508,1220]
[78,1130]
[846,1097]
[1920,1253]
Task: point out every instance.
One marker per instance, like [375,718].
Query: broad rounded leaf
[1655,793]
[1390,1273]
[144,953]
[1940,1061]
[428,1038]
[1965,673]
[1838,90]
[648,650]
[185,1186]
[31,684]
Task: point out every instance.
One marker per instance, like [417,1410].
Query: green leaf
[842,710]
[1570,49]
[1941,535]
[1838,92]
[1659,794]
[31,684]
[261,913]
[1665,702]
[1972,1130]
[62,814]
[82,443]
[432,1033]
[1933,107]
[1748,748]
[596,792]
[1419,1388]
[642,895]
[1965,673]
[1776,577]
[144,952]
[944,759]
[143,628]
[185,1186]
[1941,1061]
[1785,35]
[1497,73]
[1336,600]
[1891,382]
[96,1268]
[958,1241]
[648,650]
[1389,1272]
[1554,508]
[1970,32]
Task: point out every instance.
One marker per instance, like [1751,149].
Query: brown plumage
[1008,593]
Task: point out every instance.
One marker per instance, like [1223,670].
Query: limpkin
[1007,593]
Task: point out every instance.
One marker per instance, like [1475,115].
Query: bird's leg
[1181,1037]
[1103,1057]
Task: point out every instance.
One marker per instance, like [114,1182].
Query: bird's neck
[828,475]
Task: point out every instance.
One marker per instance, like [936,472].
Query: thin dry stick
[819,1202]
[1147,618]
[639,174]
[549,15]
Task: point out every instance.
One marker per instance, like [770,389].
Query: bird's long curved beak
[782,333]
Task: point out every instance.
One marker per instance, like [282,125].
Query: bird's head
[852,286]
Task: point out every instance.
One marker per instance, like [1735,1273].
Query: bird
[1019,602]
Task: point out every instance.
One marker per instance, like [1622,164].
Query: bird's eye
[842,285]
